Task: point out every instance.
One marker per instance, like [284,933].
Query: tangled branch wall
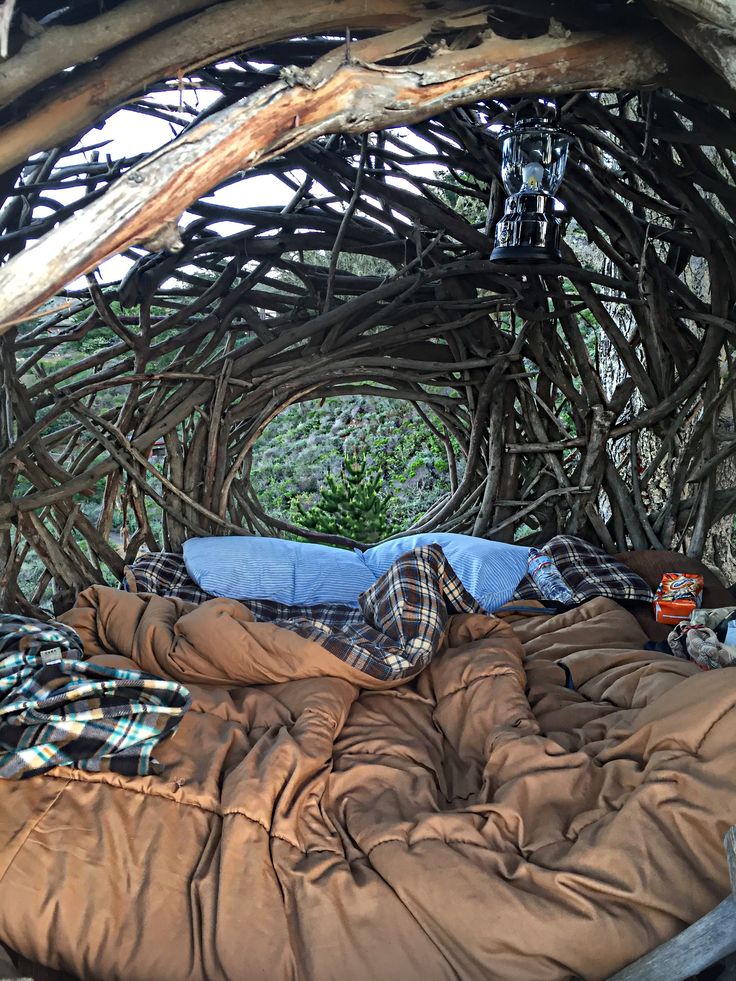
[595,397]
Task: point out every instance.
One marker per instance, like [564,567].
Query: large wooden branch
[208,36]
[353,97]
[706,28]
[64,46]
[722,13]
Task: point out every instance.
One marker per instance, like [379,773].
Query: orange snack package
[677,596]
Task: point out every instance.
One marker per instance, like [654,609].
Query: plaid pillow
[164,574]
[588,572]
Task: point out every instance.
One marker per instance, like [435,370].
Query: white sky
[130,133]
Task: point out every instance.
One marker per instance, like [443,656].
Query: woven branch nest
[593,397]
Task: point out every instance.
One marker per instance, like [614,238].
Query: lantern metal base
[525,253]
[529,231]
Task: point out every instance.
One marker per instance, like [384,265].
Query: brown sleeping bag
[485,821]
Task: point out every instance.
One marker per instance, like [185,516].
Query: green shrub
[351,504]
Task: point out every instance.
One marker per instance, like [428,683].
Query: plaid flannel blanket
[587,572]
[399,626]
[56,709]
[405,615]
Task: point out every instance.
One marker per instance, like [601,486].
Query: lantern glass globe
[533,157]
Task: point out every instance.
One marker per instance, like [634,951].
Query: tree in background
[350,504]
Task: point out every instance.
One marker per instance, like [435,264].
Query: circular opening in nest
[401,465]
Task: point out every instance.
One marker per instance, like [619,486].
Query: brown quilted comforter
[483,821]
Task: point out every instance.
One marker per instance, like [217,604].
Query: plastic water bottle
[548,579]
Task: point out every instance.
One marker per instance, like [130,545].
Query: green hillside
[306,442]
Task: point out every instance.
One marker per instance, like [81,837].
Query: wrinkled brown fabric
[481,822]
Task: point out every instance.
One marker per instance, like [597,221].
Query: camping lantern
[533,158]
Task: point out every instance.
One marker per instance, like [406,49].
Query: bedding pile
[545,799]
[400,623]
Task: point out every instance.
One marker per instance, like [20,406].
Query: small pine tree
[350,504]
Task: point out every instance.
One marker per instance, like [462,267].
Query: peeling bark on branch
[213,34]
[719,12]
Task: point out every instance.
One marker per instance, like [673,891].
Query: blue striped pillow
[292,573]
[490,571]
